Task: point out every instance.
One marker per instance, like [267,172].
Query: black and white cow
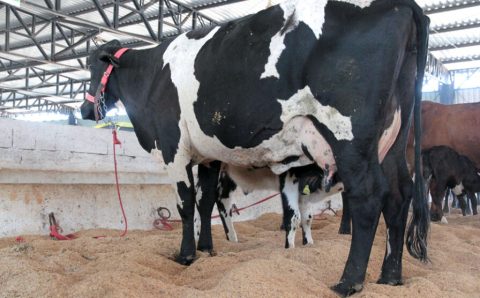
[307,81]
[444,168]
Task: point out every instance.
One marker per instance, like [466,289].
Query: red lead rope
[116,141]
[54,227]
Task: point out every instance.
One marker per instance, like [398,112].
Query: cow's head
[99,61]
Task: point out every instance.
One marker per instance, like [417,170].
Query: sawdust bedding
[141,265]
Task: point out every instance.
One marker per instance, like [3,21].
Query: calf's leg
[291,212]
[225,205]
[306,214]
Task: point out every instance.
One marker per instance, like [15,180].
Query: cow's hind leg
[291,212]
[345,226]
[208,181]
[395,213]
[365,189]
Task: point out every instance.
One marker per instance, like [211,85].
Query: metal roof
[44,43]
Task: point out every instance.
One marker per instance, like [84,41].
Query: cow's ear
[108,58]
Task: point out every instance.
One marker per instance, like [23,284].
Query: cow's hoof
[205,248]
[390,281]
[344,289]
[185,260]
[210,252]
[344,230]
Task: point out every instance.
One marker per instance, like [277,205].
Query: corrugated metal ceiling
[448,41]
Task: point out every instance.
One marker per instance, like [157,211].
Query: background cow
[454,126]
[284,88]
[444,168]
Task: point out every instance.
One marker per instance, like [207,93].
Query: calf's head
[99,61]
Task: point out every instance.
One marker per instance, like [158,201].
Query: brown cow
[456,126]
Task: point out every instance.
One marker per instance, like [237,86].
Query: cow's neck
[131,83]
[131,80]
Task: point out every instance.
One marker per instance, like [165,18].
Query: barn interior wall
[68,170]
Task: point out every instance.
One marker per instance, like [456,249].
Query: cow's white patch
[276,48]
[389,135]
[389,248]
[444,220]
[303,103]
[180,56]
[458,190]
[360,3]
[312,13]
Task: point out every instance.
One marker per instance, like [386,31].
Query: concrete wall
[69,170]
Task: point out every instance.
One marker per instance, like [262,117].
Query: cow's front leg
[365,192]
[207,193]
[186,208]
[306,214]
[291,212]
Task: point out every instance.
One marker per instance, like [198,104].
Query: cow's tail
[419,223]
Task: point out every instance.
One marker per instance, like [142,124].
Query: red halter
[95,99]
[106,75]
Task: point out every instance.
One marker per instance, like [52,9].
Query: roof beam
[34,8]
[461,59]
[465,44]
[469,24]
[449,6]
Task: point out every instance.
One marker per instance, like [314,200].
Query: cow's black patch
[234,104]
[290,159]
[199,33]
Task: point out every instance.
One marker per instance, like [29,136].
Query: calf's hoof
[185,260]
[344,289]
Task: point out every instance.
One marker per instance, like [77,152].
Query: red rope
[163,223]
[116,141]
[251,205]
[54,233]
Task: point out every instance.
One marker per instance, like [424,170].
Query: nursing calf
[296,202]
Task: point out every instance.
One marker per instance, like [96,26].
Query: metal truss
[62,38]
[450,5]
[78,36]
[435,68]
